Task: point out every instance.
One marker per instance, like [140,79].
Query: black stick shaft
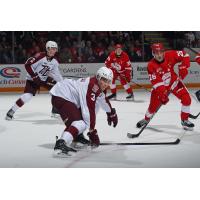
[177,141]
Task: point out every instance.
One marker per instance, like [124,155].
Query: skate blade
[130,99]
[188,128]
[59,154]
[8,118]
[55,116]
[78,146]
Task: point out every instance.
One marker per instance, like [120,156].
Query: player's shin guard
[129,91]
[113,91]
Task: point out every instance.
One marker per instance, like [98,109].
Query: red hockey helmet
[157,47]
[118,46]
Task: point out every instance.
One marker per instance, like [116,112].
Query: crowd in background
[85,46]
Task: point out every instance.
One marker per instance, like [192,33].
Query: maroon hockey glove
[36,80]
[94,138]
[112,118]
[183,71]
[50,81]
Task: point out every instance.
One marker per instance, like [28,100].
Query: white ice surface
[28,140]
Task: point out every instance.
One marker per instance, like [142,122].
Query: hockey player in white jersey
[42,70]
[77,102]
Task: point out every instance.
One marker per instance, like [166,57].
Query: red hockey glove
[198,60]
[183,71]
[94,138]
[112,118]
[36,80]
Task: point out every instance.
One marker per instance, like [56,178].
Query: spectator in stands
[197,39]
[91,58]
[190,39]
[20,54]
[99,52]
[79,44]
[65,56]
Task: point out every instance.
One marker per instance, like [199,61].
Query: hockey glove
[162,94]
[94,138]
[36,80]
[198,60]
[112,118]
[183,71]
[50,81]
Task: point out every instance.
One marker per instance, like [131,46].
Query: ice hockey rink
[28,140]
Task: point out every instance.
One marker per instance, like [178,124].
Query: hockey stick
[140,86]
[194,51]
[131,135]
[194,116]
[73,76]
[177,141]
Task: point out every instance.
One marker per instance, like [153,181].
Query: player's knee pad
[80,125]
[26,97]
[186,99]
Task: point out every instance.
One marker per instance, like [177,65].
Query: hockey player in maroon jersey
[197,59]
[42,70]
[77,102]
[162,76]
[118,61]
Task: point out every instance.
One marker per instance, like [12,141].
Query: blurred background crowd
[91,46]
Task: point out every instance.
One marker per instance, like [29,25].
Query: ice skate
[80,142]
[197,93]
[141,123]
[112,96]
[54,113]
[187,125]
[9,115]
[61,149]
[130,97]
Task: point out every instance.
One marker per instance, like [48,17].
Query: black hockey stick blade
[194,116]
[131,135]
[177,141]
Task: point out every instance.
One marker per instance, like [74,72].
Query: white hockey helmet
[51,44]
[105,73]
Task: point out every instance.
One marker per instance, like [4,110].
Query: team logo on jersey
[95,88]
[159,70]
[10,72]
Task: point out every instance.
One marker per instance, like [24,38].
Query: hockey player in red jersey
[162,76]
[78,102]
[118,61]
[42,70]
[197,59]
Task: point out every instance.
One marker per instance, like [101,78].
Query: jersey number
[92,96]
[44,71]
[152,77]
